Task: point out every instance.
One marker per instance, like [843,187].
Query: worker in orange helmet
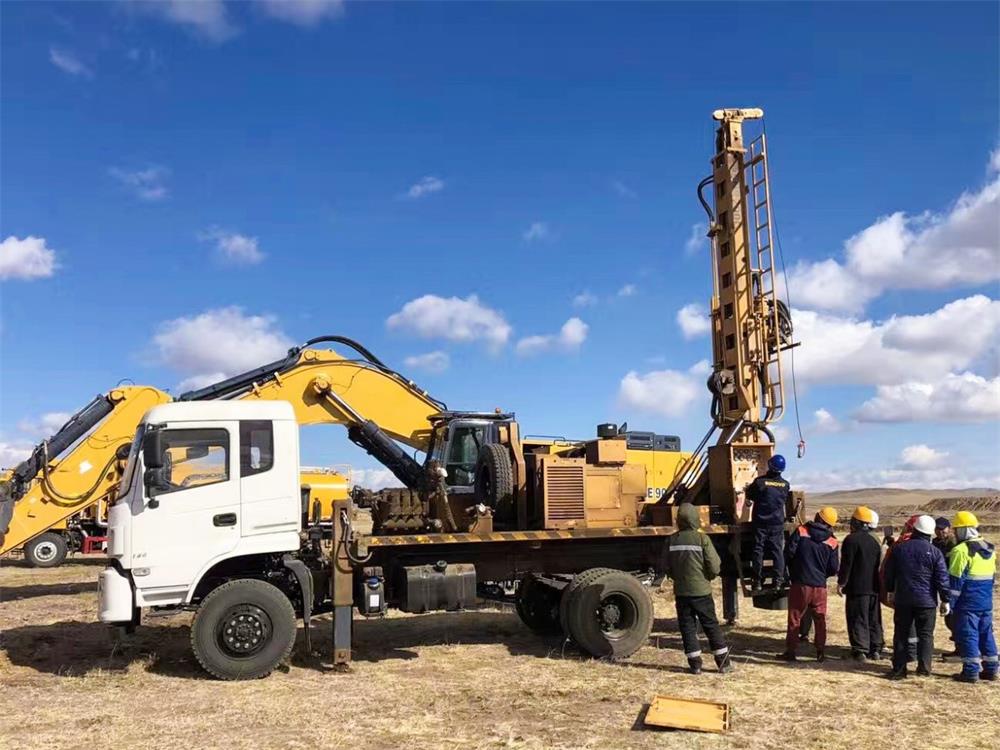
[813,557]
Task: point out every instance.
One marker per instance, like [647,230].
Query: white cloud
[956,248]
[697,239]
[694,321]
[45,426]
[538,230]
[374,479]
[147,184]
[825,422]
[584,299]
[433,362]
[921,457]
[964,397]
[26,259]
[569,339]
[667,393]
[425,186]
[206,18]
[68,62]
[11,454]
[851,351]
[623,190]
[451,318]
[303,12]
[235,248]
[940,477]
[218,343]
[628,290]
[195,382]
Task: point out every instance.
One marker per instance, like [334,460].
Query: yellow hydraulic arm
[65,474]
[78,466]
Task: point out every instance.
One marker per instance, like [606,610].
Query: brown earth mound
[980,504]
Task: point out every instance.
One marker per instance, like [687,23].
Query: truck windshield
[133,461]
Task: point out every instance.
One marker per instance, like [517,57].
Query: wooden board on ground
[688,713]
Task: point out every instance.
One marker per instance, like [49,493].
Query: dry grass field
[462,680]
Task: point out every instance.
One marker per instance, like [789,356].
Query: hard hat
[828,515]
[874,522]
[910,523]
[964,518]
[863,514]
[776,462]
[924,525]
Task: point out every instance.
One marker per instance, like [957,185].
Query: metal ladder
[765,295]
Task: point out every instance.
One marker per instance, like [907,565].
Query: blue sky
[498,199]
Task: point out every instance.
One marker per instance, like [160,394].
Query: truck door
[194,518]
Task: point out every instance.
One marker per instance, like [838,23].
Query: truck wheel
[610,615]
[495,480]
[243,630]
[46,550]
[583,579]
[537,605]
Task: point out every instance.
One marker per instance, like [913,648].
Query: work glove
[945,609]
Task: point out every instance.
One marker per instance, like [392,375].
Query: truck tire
[583,579]
[46,550]
[494,486]
[610,615]
[537,605]
[243,630]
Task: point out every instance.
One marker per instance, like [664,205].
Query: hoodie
[691,561]
[812,554]
[972,568]
[916,573]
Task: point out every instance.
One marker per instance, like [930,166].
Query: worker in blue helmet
[767,497]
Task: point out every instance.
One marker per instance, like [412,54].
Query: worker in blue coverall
[972,567]
[768,499]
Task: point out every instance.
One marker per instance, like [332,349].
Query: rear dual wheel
[608,613]
[537,605]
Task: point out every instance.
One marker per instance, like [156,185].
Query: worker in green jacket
[692,563]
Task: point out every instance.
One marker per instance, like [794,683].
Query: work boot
[859,657]
[756,587]
[724,664]
[820,655]
[923,672]
[695,665]
[964,676]
[989,676]
[896,674]
[876,656]
[787,656]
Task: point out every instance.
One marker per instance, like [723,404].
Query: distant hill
[886,496]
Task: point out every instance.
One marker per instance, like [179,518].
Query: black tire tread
[579,616]
[583,579]
[539,624]
[264,589]
[495,458]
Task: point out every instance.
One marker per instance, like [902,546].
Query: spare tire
[494,486]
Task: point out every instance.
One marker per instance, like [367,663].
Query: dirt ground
[457,680]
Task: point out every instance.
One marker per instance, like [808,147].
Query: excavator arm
[78,466]
[82,463]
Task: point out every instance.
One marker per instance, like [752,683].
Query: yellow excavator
[55,500]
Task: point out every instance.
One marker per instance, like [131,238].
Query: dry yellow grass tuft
[472,679]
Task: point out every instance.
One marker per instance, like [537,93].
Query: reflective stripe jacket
[691,559]
[972,566]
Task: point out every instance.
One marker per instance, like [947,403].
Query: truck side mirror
[155,481]
[152,449]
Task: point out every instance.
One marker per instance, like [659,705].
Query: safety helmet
[863,514]
[911,522]
[828,515]
[874,522]
[925,525]
[776,463]
[964,518]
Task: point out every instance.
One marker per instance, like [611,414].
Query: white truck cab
[210,491]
